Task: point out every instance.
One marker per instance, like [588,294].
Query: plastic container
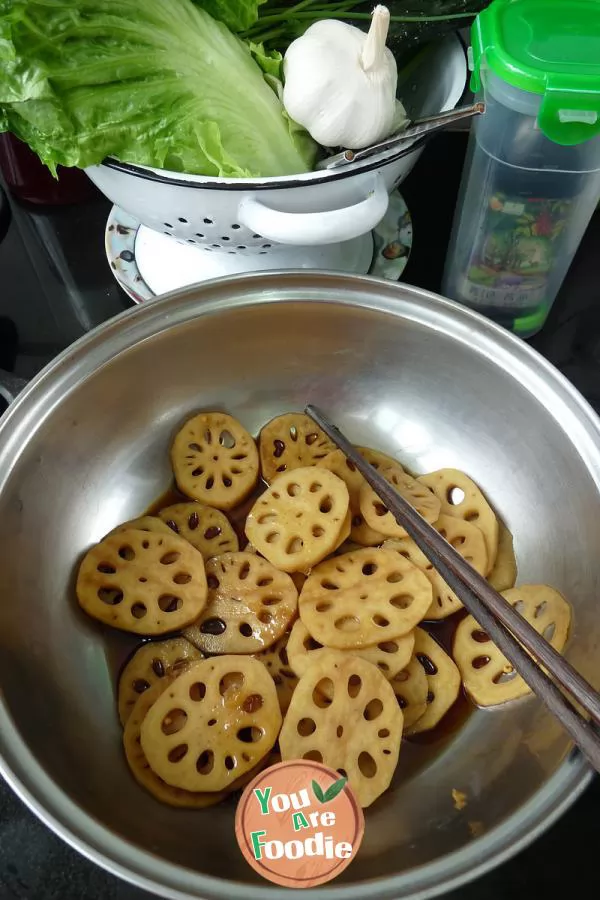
[532,176]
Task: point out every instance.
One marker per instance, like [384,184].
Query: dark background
[55,284]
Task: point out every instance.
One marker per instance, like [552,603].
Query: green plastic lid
[548,47]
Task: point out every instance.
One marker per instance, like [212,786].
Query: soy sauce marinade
[417,750]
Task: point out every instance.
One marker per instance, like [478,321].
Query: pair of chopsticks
[511,633]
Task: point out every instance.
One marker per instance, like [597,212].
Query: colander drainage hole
[257,236]
[217,246]
[199,235]
[235,226]
[185,221]
[167,225]
[241,247]
[208,221]
[191,241]
[225,238]
[266,246]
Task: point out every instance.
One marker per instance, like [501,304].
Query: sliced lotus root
[363,598]
[291,441]
[276,660]
[143,523]
[207,529]
[140,768]
[344,714]
[215,460]
[152,662]
[504,574]
[460,497]
[299,519]
[411,689]
[149,780]
[344,531]
[250,605]
[297,577]
[350,546]
[345,469]
[443,681]
[389,656]
[377,515]
[143,582]
[487,675]
[213,724]
[466,539]
[363,534]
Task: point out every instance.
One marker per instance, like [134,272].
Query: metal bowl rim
[18,765]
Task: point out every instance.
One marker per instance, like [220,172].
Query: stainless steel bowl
[86,446]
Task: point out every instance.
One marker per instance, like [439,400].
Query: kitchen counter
[55,284]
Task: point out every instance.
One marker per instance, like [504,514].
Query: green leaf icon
[334,789]
[317,791]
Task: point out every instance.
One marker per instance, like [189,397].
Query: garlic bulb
[340,83]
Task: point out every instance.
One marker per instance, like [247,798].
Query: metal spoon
[418,128]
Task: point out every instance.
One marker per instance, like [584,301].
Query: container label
[515,251]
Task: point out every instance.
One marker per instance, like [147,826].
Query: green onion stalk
[277,25]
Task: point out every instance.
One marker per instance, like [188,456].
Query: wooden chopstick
[505,626]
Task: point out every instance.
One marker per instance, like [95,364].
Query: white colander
[319,219]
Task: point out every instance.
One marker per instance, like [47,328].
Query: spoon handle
[418,128]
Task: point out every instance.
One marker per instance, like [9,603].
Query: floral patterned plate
[392,240]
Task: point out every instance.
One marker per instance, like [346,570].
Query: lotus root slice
[139,766]
[344,714]
[207,529]
[250,605]
[504,574]
[390,657]
[489,678]
[291,441]
[214,724]
[215,460]
[345,469]
[143,523]
[420,497]
[411,689]
[443,681]
[363,598]
[466,539]
[300,519]
[460,497]
[152,662]
[277,663]
[144,582]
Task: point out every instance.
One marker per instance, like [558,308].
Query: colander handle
[329,227]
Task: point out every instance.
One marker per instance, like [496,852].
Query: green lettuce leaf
[270,61]
[238,15]
[154,82]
